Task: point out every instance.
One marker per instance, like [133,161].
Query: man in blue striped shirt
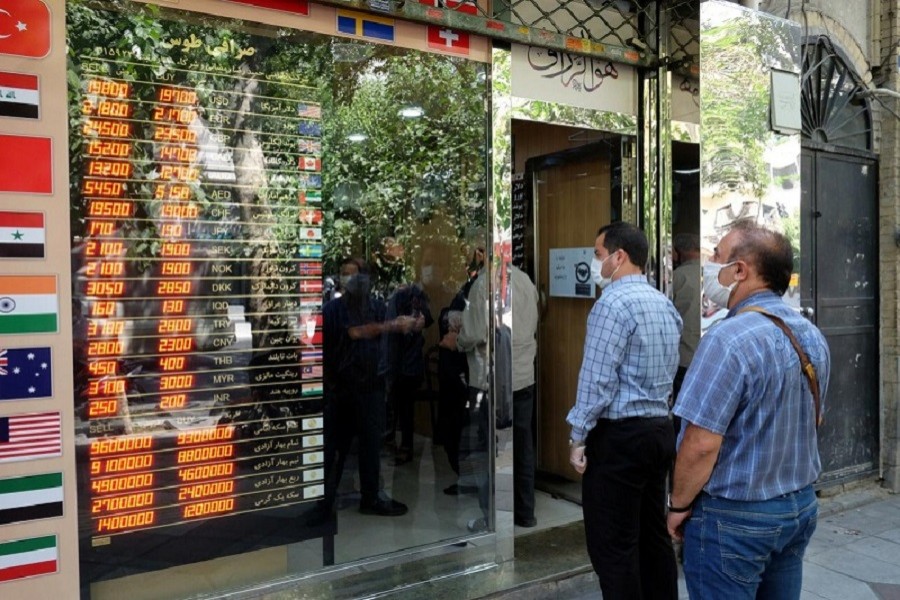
[742,498]
[622,438]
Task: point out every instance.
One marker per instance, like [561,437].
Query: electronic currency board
[196,189]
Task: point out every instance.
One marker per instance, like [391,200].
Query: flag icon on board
[20,95]
[25,28]
[365,25]
[30,498]
[21,234]
[298,7]
[28,304]
[25,164]
[25,373]
[29,557]
[448,40]
[28,436]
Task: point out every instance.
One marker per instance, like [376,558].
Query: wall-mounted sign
[574,80]
[570,273]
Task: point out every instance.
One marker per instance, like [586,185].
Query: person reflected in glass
[354,388]
[474,442]
[405,358]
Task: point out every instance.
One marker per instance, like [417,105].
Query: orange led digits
[205,453]
[129,521]
[104,189]
[127,502]
[103,408]
[109,168]
[176,344]
[206,471]
[205,490]
[115,129]
[121,484]
[175,95]
[121,444]
[202,509]
[110,89]
[210,434]
[173,210]
[108,149]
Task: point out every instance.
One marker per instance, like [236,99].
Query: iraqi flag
[20,559]
[28,436]
[30,498]
[448,40]
[25,164]
[20,95]
[21,234]
[25,28]
[28,304]
[25,373]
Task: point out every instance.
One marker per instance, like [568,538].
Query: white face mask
[715,291]
[597,273]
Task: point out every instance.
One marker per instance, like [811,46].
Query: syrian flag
[448,40]
[20,95]
[21,234]
[30,498]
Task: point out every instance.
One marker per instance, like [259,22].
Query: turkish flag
[25,164]
[25,28]
[300,7]
[448,40]
[464,6]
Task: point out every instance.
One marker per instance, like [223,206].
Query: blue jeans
[748,550]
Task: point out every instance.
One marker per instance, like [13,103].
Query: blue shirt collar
[628,279]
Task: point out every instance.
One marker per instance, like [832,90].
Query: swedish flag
[365,25]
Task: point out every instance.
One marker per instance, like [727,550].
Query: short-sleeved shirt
[746,385]
[630,356]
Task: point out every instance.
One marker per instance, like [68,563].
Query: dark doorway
[839,283]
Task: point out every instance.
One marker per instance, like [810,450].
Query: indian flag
[28,304]
[21,234]
[30,498]
[28,557]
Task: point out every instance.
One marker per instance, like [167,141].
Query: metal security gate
[839,281]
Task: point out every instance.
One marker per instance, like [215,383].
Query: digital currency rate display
[196,183]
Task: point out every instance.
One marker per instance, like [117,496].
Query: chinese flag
[448,40]
[300,7]
[25,28]
[25,164]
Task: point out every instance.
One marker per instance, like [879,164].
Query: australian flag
[25,373]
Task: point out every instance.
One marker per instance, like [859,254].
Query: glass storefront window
[272,231]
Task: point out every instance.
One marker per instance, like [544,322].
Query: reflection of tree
[391,176]
[735,97]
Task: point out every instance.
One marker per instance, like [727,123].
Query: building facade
[237,232]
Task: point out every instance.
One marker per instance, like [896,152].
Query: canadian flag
[25,28]
[448,40]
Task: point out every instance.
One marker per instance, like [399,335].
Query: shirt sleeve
[473,331]
[714,384]
[598,380]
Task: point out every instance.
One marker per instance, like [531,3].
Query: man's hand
[676,524]
[577,458]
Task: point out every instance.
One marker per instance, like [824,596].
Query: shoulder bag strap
[805,364]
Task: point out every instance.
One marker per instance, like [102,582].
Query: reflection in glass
[749,172]
[261,248]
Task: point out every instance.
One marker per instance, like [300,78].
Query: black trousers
[624,495]
[523,453]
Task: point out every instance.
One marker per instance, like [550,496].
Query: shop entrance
[572,194]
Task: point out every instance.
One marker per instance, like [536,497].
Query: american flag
[28,436]
[310,111]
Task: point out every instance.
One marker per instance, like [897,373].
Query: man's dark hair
[768,251]
[686,242]
[627,237]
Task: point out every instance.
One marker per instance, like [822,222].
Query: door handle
[543,299]
[808,312]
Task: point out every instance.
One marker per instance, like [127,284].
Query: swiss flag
[25,28]
[448,40]
[300,7]
[25,164]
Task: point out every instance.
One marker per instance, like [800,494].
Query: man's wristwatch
[675,509]
[574,444]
